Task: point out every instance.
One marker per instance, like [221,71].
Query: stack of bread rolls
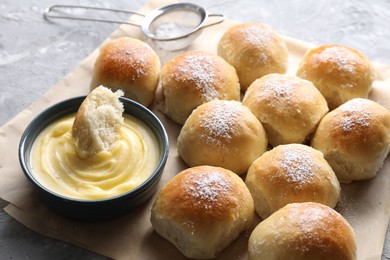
[257,140]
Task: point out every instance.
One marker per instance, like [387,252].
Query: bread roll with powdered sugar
[194,78]
[291,173]
[303,231]
[355,139]
[202,210]
[222,133]
[289,108]
[254,50]
[130,65]
[341,73]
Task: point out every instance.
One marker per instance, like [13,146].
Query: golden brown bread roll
[355,139]
[130,65]
[340,73]
[222,133]
[202,210]
[289,108]
[194,78]
[291,173]
[303,231]
[254,50]
[98,121]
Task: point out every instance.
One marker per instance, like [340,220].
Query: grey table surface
[35,54]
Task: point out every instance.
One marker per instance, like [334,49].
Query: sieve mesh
[174,24]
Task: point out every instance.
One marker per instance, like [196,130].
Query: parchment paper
[366,204]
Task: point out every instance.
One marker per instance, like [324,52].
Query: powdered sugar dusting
[200,69]
[171,30]
[355,115]
[298,165]
[220,121]
[344,58]
[256,35]
[310,222]
[313,219]
[275,88]
[348,203]
[133,59]
[208,187]
[140,63]
[259,37]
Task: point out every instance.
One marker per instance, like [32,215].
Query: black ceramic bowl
[93,209]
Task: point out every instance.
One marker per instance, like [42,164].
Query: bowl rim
[154,124]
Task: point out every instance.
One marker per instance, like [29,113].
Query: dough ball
[222,133]
[202,210]
[289,108]
[254,50]
[355,139]
[194,78]
[303,231]
[341,73]
[130,65]
[291,173]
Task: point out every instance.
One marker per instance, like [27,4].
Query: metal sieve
[171,27]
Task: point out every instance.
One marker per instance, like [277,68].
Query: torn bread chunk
[98,121]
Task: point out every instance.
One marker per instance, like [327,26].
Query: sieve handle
[48,14]
[222,18]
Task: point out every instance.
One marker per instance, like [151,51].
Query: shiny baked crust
[291,173]
[254,50]
[202,210]
[193,78]
[222,133]
[289,108]
[341,73]
[303,231]
[355,139]
[130,65]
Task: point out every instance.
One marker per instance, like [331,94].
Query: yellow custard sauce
[130,161]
